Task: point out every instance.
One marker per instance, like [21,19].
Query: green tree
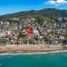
[39,20]
[65,35]
[2,41]
[21,35]
[45,38]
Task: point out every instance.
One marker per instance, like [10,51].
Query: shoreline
[32,53]
[31,48]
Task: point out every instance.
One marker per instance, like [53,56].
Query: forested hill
[49,12]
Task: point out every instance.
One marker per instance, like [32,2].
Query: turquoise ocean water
[34,60]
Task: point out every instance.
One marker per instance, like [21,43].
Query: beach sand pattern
[30,48]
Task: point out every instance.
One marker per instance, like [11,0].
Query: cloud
[56,2]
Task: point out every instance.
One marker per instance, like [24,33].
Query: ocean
[34,60]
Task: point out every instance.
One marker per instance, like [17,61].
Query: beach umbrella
[36,32]
[19,30]
[28,30]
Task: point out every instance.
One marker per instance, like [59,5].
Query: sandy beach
[30,48]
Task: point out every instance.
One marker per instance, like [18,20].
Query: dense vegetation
[50,12]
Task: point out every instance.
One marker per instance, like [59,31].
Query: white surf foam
[33,53]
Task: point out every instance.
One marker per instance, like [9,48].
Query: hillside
[50,12]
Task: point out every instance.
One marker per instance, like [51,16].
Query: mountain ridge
[49,12]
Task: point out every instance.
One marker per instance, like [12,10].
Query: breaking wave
[32,53]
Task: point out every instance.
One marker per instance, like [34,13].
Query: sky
[12,6]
